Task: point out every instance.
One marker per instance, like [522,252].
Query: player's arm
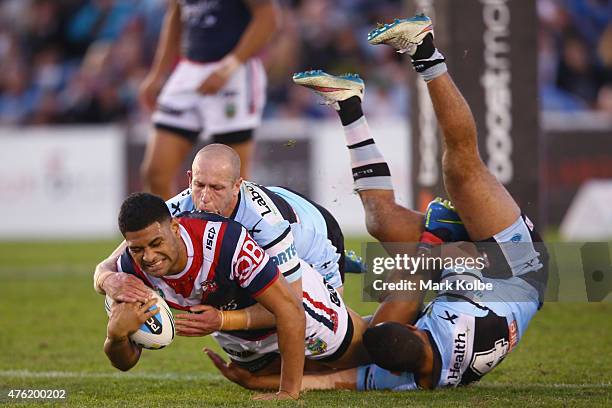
[265,20]
[124,320]
[121,287]
[210,319]
[404,306]
[167,52]
[280,247]
[266,17]
[329,380]
[290,326]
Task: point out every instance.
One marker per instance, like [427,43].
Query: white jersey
[286,225]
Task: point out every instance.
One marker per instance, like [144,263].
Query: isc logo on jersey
[210,238]
[250,258]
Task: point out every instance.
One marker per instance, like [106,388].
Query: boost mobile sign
[491,50]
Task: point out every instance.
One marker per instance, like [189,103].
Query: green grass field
[53,327]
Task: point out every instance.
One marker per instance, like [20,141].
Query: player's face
[157,248]
[214,191]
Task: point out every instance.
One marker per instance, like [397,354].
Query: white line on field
[116,375]
[211,376]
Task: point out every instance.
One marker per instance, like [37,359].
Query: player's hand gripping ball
[158,331]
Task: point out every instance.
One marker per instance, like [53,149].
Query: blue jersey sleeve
[182,202]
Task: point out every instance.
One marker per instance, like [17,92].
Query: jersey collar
[238,202]
[189,245]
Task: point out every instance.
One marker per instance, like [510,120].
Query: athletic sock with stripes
[370,171]
[427,60]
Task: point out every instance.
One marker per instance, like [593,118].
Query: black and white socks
[427,60]
[370,171]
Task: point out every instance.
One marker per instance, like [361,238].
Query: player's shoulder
[180,203]
[205,223]
[258,203]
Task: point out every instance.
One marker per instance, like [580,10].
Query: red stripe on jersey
[333,315]
[262,290]
[184,285]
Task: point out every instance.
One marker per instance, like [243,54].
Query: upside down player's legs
[484,205]
[385,219]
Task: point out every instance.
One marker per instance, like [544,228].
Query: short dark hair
[394,347]
[139,210]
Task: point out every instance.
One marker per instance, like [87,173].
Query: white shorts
[329,330]
[237,106]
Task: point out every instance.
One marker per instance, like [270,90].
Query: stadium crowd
[82,61]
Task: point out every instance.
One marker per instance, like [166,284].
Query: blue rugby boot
[413,36]
[353,263]
[331,88]
[405,35]
[442,221]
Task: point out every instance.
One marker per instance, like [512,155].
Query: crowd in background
[575,54]
[82,61]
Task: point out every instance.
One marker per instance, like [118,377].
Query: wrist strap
[235,320]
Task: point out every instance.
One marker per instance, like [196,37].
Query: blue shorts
[373,377]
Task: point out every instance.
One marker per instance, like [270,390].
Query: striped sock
[370,171]
[428,61]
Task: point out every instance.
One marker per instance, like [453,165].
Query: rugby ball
[155,333]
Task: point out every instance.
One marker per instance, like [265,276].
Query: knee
[458,170]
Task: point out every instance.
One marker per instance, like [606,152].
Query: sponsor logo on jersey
[231,305]
[210,238]
[248,262]
[485,361]
[230,110]
[285,256]
[316,345]
[459,351]
[209,241]
[516,237]
[258,198]
[209,286]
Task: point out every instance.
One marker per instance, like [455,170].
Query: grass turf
[53,327]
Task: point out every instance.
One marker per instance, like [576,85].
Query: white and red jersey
[225,268]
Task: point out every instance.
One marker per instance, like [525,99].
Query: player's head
[396,347]
[215,179]
[151,234]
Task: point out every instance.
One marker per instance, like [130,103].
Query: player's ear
[237,186]
[174,226]
[189,177]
